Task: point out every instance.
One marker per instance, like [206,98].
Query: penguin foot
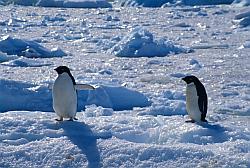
[190,121]
[75,118]
[71,119]
[203,120]
[60,119]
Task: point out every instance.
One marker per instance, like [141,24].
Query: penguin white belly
[64,97]
[192,102]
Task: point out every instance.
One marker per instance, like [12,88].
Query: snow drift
[26,62]
[106,4]
[14,95]
[74,3]
[4,57]
[27,48]
[242,20]
[117,98]
[159,3]
[61,3]
[141,43]
[241,3]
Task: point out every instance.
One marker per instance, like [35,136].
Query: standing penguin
[196,99]
[65,95]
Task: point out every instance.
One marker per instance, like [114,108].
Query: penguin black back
[62,69]
[201,93]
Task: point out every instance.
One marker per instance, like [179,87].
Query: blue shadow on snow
[209,133]
[81,135]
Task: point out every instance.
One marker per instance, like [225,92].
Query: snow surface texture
[60,3]
[138,116]
[106,4]
[120,141]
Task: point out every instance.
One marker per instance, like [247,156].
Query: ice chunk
[74,3]
[117,97]
[141,43]
[27,48]
[26,62]
[242,20]
[4,57]
[241,3]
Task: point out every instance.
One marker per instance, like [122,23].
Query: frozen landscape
[135,57]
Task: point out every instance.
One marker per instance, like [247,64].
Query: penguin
[196,99]
[64,93]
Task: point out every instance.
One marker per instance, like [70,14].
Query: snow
[141,43]
[117,98]
[61,3]
[26,48]
[74,3]
[15,95]
[159,3]
[35,139]
[130,3]
[245,45]
[26,62]
[4,57]
[136,115]
[242,19]
[39,97]
[241,3]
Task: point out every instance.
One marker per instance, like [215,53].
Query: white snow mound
[241,3]
[25,62]
[242,20]
[4,57]
[159,3]
[141,43]
[62,3]
[14,95]
[117,98]
[27,48]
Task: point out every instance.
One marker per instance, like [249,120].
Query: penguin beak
[184,79]
[56,70]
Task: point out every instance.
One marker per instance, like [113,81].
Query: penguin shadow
[208,133]
[81,135]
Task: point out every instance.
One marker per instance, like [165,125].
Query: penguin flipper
[84,87]
[202,102]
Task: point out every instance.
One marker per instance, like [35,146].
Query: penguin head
[62,69]
[190,79]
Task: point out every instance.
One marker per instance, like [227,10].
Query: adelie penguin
[196,99]
[64,94]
